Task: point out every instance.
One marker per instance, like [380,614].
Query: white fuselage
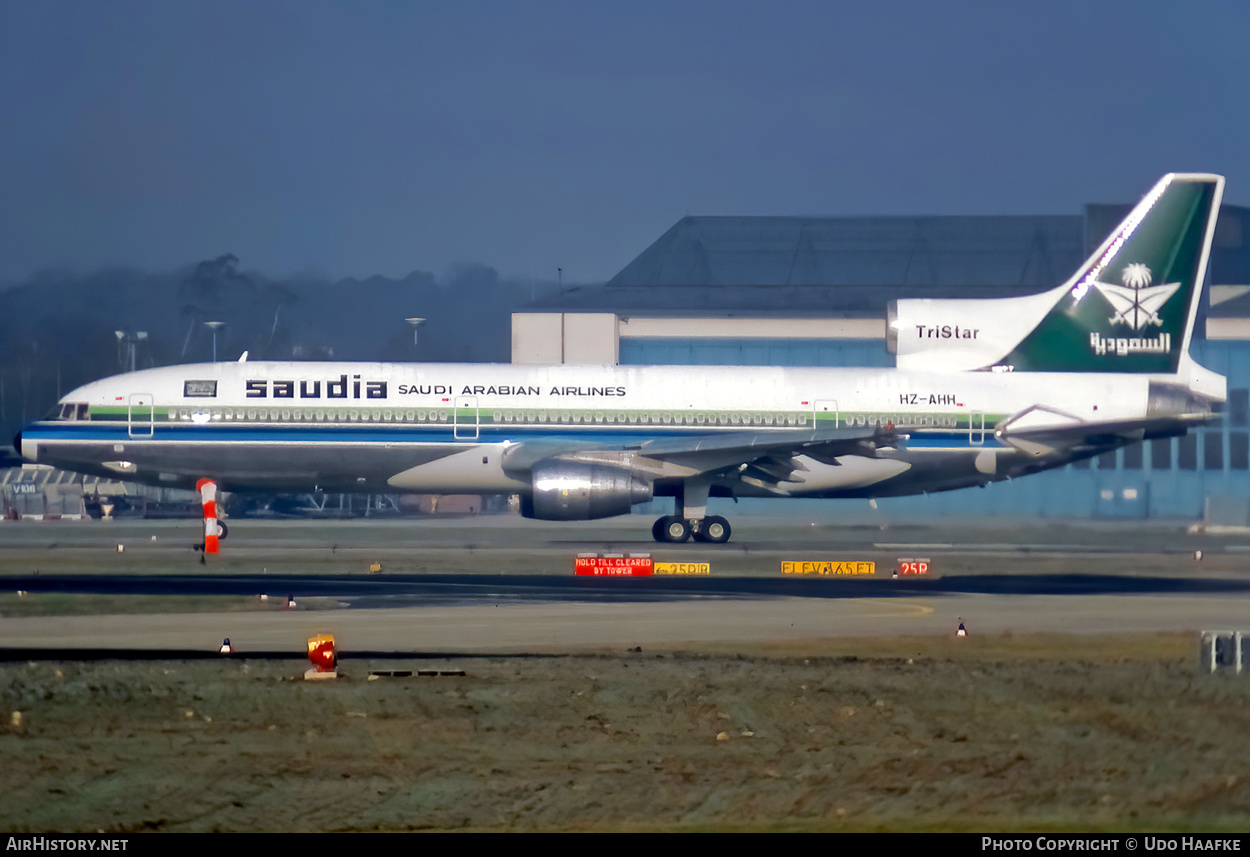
[447,427]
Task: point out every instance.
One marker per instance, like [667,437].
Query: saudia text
[338,389]
[1119,346]
[355,388]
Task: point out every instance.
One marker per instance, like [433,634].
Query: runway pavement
[503,585]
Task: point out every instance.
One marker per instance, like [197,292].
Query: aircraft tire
[224,529]
[672,529]
[715,529]
[677,529]
[657,529]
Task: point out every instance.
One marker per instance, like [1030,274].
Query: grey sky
[385,137]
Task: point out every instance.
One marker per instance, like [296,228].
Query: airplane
[984,390]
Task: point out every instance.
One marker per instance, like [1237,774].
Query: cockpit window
[68,411]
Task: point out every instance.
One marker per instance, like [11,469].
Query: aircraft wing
[749,444]
[768,454]
[1040,430]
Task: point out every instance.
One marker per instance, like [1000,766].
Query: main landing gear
[672,528]
[692,518]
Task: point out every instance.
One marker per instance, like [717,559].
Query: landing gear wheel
[677,529]
[715,529]
[225,531]
[671,528]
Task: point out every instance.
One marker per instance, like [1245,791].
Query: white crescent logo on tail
[1136,303]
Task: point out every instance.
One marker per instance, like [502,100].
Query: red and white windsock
[208,496]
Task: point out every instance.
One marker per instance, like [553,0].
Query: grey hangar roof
[859,264]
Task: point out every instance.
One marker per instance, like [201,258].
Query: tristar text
[946,331]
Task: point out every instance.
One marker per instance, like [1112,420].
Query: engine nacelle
[578,491]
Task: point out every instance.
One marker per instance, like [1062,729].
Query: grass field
[990,733]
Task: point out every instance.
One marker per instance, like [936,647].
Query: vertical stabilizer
[1131,307]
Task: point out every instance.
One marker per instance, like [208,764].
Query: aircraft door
[976,428]
[465,418]
[139,415]
[825,413]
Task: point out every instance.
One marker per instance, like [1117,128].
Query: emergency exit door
[140,415]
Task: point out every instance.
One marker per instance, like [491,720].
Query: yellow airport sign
[683,568]
[828,567]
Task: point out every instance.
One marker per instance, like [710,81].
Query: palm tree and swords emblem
[1136,302]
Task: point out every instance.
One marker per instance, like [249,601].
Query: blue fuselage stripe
[442,434]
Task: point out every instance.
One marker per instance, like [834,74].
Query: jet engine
[578,491]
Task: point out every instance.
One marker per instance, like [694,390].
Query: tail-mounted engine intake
[577,491]
[961,334]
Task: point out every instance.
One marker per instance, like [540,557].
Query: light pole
[416,325]
[215,326]
[127,344]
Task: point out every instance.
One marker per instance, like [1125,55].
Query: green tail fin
[1131,307]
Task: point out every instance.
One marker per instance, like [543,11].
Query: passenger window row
[311,415]
[692,418]
[503,417]
[529,417]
